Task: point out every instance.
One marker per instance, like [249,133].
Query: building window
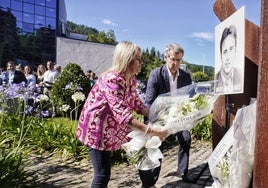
[28,7]
[28,17]
[51,3]
[28,1]
[51,22]
[51,12]
[18,15]
[27,27]
[40,2]
[39,20]
[16,5]
[39,10]
[5,4]
[19,24]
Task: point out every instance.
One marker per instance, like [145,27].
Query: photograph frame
[230,54]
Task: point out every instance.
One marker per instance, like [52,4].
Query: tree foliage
[209,70]
[200,76]
[151,59]
[93,34]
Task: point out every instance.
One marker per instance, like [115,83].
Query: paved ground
[53,173]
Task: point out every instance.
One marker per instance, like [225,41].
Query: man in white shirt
[164,79]
[51,74]
[49,77]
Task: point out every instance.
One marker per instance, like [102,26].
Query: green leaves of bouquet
[197,102]
[137,156]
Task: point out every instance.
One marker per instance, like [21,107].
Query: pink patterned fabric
[103,123]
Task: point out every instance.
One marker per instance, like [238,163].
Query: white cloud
[109,22]
[203,36]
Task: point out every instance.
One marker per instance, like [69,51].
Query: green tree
[92,38]
[111,39]
[30,47]
[206,69]
[93,34]
[150,61]
[200,76]
[5,53]
[101,37]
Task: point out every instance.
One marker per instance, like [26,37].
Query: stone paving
[53,173]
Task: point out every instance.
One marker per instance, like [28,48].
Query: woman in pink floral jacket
[106,117]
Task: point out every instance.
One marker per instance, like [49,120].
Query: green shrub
[203,131]
[71,80]
[57,136]
[13,160]
[13,171]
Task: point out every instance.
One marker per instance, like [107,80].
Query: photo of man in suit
[229,54]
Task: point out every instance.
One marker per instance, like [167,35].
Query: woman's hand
[157,131]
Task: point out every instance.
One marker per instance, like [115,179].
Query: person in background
[168,78]
[19,68]
[12,76]
[31,78]
[87,74]
[41,69]
[228,78]
[58,68]
[92,78]
[107,115]
[1,71]
[51,74]
[49,77]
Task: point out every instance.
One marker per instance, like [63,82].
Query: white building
[89,55]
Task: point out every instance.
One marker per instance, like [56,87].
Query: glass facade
[29,29]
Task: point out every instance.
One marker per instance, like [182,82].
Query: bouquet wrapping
[175,111]
[242,156]
[219,159]
[231,162]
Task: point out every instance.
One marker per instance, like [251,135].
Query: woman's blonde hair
[124,54]
[39,71]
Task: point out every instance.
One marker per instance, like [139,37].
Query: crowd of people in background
[42,79]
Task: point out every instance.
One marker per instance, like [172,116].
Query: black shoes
[188,179]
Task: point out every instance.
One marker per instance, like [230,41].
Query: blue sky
[156,23]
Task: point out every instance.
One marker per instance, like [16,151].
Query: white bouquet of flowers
[219,160]
[175,111]
[242,156]
[231,162]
